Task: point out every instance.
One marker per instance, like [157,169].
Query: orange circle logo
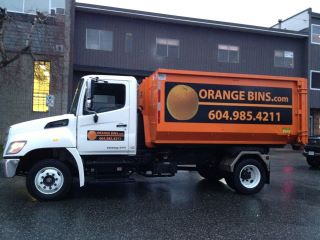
[182,102]
[92,135]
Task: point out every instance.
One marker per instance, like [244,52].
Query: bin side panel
[187,107]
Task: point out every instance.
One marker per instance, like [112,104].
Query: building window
[128,43]
[168,47]
[31,6]
[41,86]
[315,80]
[99,39]
[228,53]
[315,34]
[284,59]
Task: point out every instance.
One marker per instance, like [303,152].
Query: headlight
[16,147]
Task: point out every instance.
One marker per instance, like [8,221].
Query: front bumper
[8,167]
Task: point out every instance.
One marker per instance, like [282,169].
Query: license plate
[311,153]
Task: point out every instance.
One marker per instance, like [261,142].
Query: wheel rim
[49,180]
[250,176]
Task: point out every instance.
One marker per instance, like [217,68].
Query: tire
[313,162]
[49,180]
[249,177]
[209,171]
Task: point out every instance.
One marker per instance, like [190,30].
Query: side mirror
[88,102]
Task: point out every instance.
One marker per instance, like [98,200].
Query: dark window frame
[100,46]
[167,43]
[311,78]
[282,59]
[317,34]
[224,52]
[128,44]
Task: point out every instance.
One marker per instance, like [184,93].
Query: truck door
[109,134]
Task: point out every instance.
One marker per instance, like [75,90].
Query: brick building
[42,71]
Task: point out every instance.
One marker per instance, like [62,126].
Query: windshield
[75,101]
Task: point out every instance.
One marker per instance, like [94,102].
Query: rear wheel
[249,177]
[313,162]
[49,180]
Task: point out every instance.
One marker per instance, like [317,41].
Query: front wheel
[49,180]
[249,177]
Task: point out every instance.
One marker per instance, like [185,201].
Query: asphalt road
[182,207]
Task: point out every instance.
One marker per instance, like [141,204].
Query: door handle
[121,125]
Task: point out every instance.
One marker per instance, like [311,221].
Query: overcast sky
[254,12]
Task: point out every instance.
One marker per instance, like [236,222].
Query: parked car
[312,151]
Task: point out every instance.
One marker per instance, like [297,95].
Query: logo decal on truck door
[93,135]
[212,103]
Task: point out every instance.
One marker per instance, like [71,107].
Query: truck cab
[102,121]
[104,107]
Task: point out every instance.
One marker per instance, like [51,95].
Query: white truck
[116,128]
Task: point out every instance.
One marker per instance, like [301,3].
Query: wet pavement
[182,207]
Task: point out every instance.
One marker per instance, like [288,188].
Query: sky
[263,13]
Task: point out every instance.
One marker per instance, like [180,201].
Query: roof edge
[314,14]
[184,20]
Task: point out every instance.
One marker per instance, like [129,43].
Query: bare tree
[5,18]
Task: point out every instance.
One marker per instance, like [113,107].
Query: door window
[108,97]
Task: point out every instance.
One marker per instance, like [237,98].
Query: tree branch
[6,62]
